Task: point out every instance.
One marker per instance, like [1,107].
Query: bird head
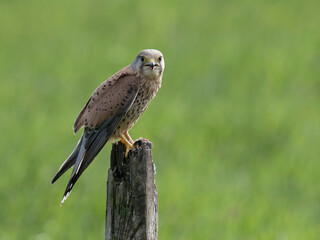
[149,63]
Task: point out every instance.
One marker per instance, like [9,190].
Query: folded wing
[106,107]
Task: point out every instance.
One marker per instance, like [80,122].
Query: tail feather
[92,144]
[69,162]
[75,171]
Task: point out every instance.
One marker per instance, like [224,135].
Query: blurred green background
[235,127]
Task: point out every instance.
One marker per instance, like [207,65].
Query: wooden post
[132,197]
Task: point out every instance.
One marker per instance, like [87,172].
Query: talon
[128,148]
[127,144]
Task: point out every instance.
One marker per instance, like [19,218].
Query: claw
[127,144]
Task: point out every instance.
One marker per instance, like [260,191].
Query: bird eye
[160,58]
[142,59]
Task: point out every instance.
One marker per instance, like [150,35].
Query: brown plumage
[113,108]
[110,96]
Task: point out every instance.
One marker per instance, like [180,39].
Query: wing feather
[107,99]
[93,142]
[117,99]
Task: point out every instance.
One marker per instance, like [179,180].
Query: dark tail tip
[53,180]
[56,177]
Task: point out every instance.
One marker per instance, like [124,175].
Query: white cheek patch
[148,73]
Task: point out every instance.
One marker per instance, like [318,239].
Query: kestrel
[112,110]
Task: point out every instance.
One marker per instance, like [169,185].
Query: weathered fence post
[132,197]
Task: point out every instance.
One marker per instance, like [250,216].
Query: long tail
[90,144]
[69,162]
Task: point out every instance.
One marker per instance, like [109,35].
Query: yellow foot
[128,137]
[127,144]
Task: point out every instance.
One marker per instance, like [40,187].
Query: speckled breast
[146,93]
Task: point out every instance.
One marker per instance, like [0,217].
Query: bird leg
[127,144]
[128,137]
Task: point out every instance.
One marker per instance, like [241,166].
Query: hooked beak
[151,64]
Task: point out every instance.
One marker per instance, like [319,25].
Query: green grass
[235,127]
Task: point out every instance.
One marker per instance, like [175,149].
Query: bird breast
[147,91]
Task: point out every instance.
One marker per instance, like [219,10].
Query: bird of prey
[113,108]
